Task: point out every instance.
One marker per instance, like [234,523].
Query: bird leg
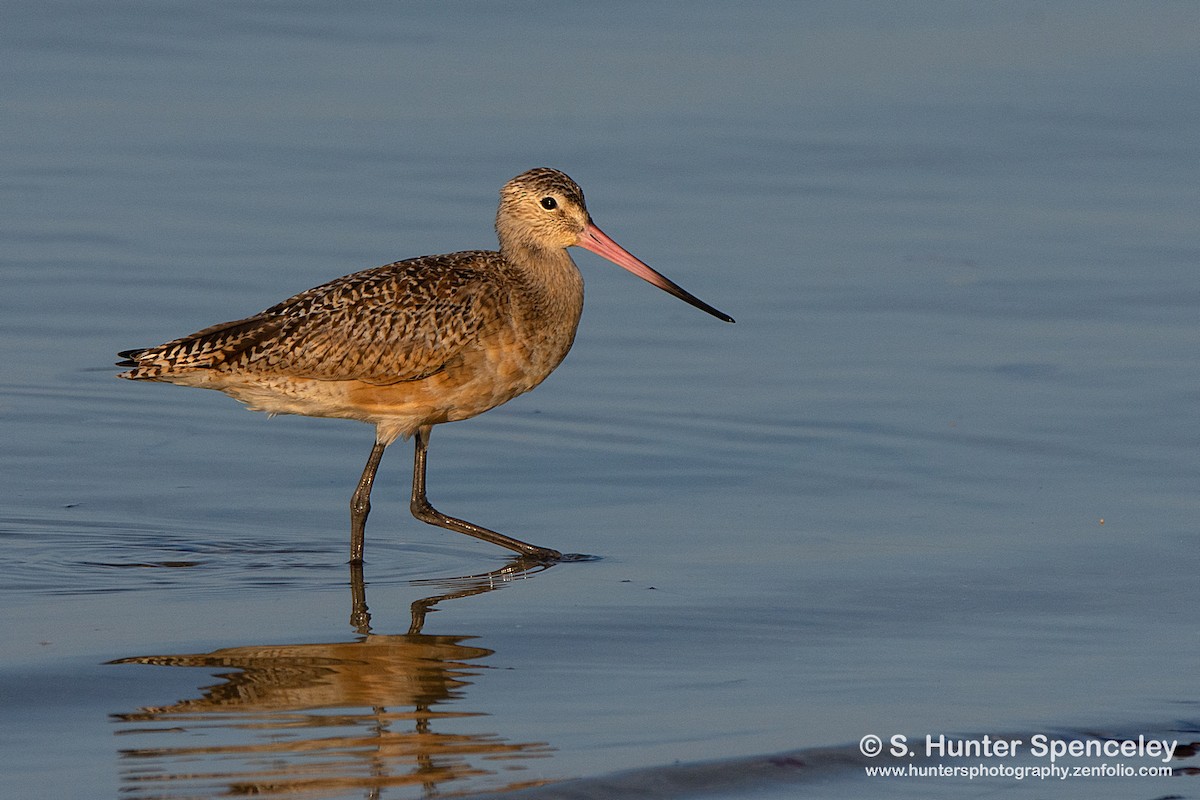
[360,616]
[422,510]
[360,504]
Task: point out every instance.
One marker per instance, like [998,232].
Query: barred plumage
[398,322]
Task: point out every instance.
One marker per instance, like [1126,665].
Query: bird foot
[573,557]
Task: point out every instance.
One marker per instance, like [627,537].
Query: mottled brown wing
[396,323]
[399,322]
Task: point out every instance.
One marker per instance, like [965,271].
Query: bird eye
[549,203]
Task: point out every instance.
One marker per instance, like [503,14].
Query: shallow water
[941,476]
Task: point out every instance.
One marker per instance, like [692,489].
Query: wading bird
[415,343]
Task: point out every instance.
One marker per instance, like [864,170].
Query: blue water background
[941,476]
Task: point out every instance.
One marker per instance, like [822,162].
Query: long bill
[603,245]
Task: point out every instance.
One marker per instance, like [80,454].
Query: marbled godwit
[415,343]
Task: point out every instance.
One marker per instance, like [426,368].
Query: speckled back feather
[399,322]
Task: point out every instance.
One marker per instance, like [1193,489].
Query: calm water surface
[941,477]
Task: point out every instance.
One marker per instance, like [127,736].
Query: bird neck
[551,274]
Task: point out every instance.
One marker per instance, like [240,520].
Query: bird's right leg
[360,504]
[422,510]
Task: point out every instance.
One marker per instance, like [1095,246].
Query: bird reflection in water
[313,719]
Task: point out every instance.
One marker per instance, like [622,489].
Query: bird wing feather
[400,322]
